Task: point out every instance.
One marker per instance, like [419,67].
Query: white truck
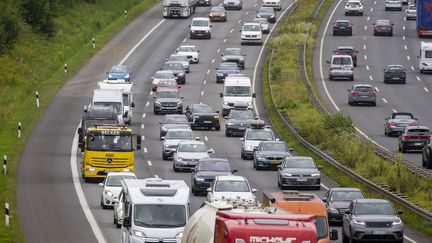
[109,97]
[178,8]
[126,89]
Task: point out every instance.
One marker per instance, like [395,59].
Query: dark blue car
[225,69]
[119,72]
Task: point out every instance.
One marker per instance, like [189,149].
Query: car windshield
[279,147]
[119,69]
[203,109]
[261,20]
[346,195]
[299,163]
[213,166]
[353,4]
[241,114]
[395,69]
[176,120]
[383,22]
[266,10]
[173,66]
[91,122]
[118,107]
[228,66]
[412,7]
[237,91]
[168,94]
[218,9]
[255,134]
[167,83]
[403,116]
[363,89]
[232,186]
[101,142]
[187,49]
[232,51]
[194,147]
[115,181]
[369,208]
[345,51]
[342,61]
[177,58]
[251,27]
[164,75]
[160,216]
[179,135]
[342,23]
[200,23]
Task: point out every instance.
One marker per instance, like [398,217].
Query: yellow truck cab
[108,148]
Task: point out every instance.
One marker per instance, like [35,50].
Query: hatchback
[347,50]
[362,94]
[342,27]
[383,27]
[394,74]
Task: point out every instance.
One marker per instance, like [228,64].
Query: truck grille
[115,163]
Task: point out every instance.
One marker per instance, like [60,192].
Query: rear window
[395,69]
[342,61]
[418,131]
[342,23]
[364,89]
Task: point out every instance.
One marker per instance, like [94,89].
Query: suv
[347,50]
[354,7]
[238,121]
[413,137]
[337,200]
[202,115]
[299,172]
[362,93]
[167,100]
[234,54]
[276,4]
[397,121]
[251,33]
[256,133]
[172,138]
[342,27]
[200,28]
[341,66]
[188,154]
[231,187]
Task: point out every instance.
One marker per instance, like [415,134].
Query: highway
[375,53]
[54,203]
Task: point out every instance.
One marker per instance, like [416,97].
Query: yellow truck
[108,148]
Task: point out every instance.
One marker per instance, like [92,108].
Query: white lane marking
[246,12]
[365,27]
[205,81]
[142,137]
[426,89]
[385,101]
[151,93]
[232,30]
[142,126]
[394,110]
[184,40]
[374,2]
[408,57]
[218,50]
[365,57]
[364,47]
[376,88]
[144,115]
[409,239]
[202,92]
[367,67]
[224,40]
[206,138]
[140,41]
[80,193]
[260,54]
[412,68]
[148,103]
[256,4]
[405,47]
[149,163]
[145,150]
[325,187]
[403,27]
[368,18]
[156,176]
[403,37]
[418,78]
[370,77]
[364,38]
[238,22]
[371,9]
[213,60]
[200,102]
[208,71]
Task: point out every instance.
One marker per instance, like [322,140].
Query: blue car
[119,72]
[225,69]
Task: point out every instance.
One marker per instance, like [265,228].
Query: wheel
[350,33]
[429,164]
[175,169]
[385,131]
[242,155]
[279,184]
[217,128]
[423,162]
[254,165]
[350,103]
[330,78]
[227,134]
[404,81]
[385,81]
[102,204]
[194,192]
[345,239]
[164,157]
[351,240]
[115,220]
[403,148]
[118,226]
[352,78]
[155,112]
[374,103]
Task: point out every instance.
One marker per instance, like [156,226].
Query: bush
[8,26]
[40,15]
[338,123]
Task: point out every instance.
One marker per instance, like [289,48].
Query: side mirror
[291,149]
[162,138]
[126,114]
[320,167]
[217,112]
[154,97]
[115,200]
[234,171]
[160,122]
[348,90]
[166,59]
[189,25]
[85,109]
[211,26]
[210,151]
[253,95]
[241,139]
[328,62]
[416,118]
[79,130]
[198,51]
[222,54]
[254,190]
[392,24]
[107,72]
[217,68]
[374,24]
[244,54]
[334,235]
[152,77]
[256,118]
[182,98]
[240,30]
[347,211]
[101,184]
[324,199]
[132,104]
[127,222]
[221,95]
[255,149]
[209,189]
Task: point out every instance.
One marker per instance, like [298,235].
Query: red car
[347,50]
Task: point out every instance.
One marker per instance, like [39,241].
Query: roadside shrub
[8,27]
[338,123]
[40,15]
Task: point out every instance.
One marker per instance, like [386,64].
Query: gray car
[397,121]
[393,5]
[372,219]
[180,58]
[268,13]
[362,94]
[256,133]
[299,172]
[265,25]
[413,138]
[341,66]
[383,27]
[167,100]
[172,139]
[173,121]
[188,153]
[234,55]
[178,69]
[233,4]
[238,121]
[270,154]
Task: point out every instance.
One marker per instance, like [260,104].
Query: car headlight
[286,174]
[249,103]
[230,123]
[258,16]
[179,235]
[127,75]
[164,129]
[261,158]
[243,36]
[219,74]
[181,74]
[225,103]
[315,174]
[207,31]
[157,103]
[397,222]
[359,222]
[179,158]
[108,193]
[199,178]
[179,103]
[216,117]
[272,16]
[193,31]
[195,117]
[211,15]
[224,59]
[333,210]
[249,147]
[91,170]
[139,234]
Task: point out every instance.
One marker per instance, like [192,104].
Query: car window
[119,69]
[200,23]
[173,66]
[363,89]
[187,49]
[115,181]
[373,209]
[161,75]
[237,91]
[342,23]
[176,120]
[383,22]
[266,10]
[342,61]
[251,27]
[213,166]
[259,135]
[418,131]
[346,195]
[299,163]
[179,134]
[345,51]
[241,114]
[428,54]
[195,148]
[228,66]
[232,186]
[321,226]
[217,9]
[202,109]
[168,94]
[395,69]
[279,147]
[402,116]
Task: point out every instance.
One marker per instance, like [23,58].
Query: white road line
[406,48]
[205,81]
[144,115]
[412,68]
[394,110]
[426,89]
[142,137]
[184,40]
[232,30]
[145,150]
[385,101]
[409,239]
[374,2]
[246,12]
[365,27]
[208,71]
[149,163]
[202,92]
[364,47]
[418,78]
[370,77]
[408,57]
[80,193]
[325,187]
[206,138]
[403,27]
[218,50]
[403,37]
[148,103]
[365,57]
[371,9]
[151,93]
[213,60]
[368,18]
[256,4]
[376,88]
[224,40]
[142,126]
[367,67]
[239,21]
[364,38]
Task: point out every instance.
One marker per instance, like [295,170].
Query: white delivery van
[155,210]
[126,89]
[237,89]
[425,58]
[109,97]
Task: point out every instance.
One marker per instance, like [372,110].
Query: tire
[155,112]
[115,221]
[175,169]
[103,205]
[374,103]
[404,81]
[254,165]
[118,226]
[330,78]
[423,162]
[385,131]
[403,148]
[352,78]
[164,157]
[278,183]
[350,103]
[345,239]
[227,134]
[429,164]
[350,34]
[421,71]
[217,128]
[242,155]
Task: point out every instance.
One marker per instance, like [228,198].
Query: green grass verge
[35,63]
[330,133]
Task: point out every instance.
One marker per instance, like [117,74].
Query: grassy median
[331,133]
[35,63]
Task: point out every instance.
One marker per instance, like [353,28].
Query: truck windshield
[116,105]
[109,142]
[160,216]
[236,91]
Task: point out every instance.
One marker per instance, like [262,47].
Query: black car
[383,27]
[167,100]
[342,27]
[394,74]
[203,116]
[205,171]
[172,121]
[413,138]
[203,2]
[234,55]
[427,156]
[268,13]
[178,69]
[238,120]
[337,200]
[270,154]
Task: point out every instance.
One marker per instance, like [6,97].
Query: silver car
[253,136]
[393,5]
[299,172]
[172,138]
[265,25]
[411,12]
[188,154]
[341,66]
[173,121]
[397,121]
[362,94]
[233,4]
[160,76]
[180,58]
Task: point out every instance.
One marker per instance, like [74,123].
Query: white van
[200,27]
[155,210]
[126,89]
[109,97]
[425,58]
[237,89]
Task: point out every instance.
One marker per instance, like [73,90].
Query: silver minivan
[341,66]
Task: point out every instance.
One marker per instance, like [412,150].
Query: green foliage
[8,25]
[338,123]
[40,15]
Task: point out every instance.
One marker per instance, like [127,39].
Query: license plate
[275,162]
[207,121]
[378,232]
[395,78]
[301,179]
[364,96]
[418,144]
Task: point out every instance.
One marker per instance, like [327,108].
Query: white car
[251,33]
[354,7]
[188,153]
[393,5]
[161,75]
[411,12]
[231,187]
[276,4]
[190,51]
[112,187]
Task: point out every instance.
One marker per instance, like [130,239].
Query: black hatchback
[342,27]
[383,27]
[394,74]
[205,172]
[203,116]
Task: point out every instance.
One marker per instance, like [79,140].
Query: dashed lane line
[149,163]
[426,89]
[385,101]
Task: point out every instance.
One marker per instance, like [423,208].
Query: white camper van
[114,98]
[126,89]
[237,89]
[425,58]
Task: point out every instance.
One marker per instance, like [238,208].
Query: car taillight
[354,93]
[408,137]
[413,124]
[427,136]
[331,68]
[372,93]
[393,124]
[352,68]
